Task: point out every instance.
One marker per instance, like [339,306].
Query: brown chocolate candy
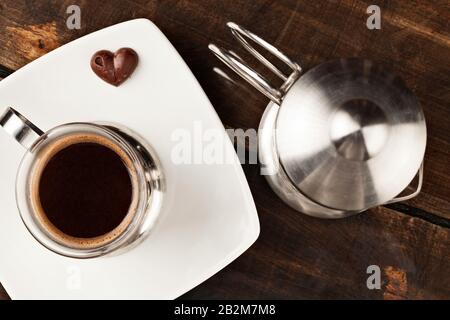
[114,68]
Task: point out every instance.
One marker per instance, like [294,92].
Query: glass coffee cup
[85,190]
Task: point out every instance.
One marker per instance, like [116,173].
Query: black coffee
[85,190]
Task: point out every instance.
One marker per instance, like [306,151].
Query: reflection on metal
[342,138]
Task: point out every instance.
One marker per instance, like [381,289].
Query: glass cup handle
[20,128]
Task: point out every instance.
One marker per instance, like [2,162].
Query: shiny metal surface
[20,128]
[350,135]
[237,64]
[414,193]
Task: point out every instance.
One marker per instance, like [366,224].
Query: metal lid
[350,135]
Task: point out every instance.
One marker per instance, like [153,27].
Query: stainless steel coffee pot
[339,139]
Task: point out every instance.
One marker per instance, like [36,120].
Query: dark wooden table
[297,256]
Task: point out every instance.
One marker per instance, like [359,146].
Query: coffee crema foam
[45,157]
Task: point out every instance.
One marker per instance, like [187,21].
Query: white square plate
[208,218]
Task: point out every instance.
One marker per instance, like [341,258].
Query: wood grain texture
[302,257]
[297,256]
[3,294]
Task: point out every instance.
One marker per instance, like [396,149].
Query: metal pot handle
[413,194]
[233,61]
[20,128]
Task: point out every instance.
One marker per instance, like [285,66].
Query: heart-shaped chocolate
[114,68]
